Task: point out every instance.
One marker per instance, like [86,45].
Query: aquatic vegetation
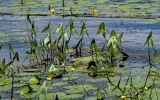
[59,69]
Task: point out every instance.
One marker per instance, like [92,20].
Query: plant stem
[12,85]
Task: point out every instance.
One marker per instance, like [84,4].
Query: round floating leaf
[59,84]
[66,78]
[28,74]
[34,80]
[5,88]
[63,96]
[26,89]
[35,87]
[18,85]
[5,81]
[50,96]
[79,88]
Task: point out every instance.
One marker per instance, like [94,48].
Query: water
[135,32]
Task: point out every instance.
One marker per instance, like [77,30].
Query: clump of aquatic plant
[80,43]
[5,66]
[128,89]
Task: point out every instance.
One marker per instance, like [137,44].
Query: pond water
[13,29]
[135,32]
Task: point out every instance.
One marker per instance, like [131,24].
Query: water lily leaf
[50,96]
[43,87]
[79,88]
[91,98]
[34,80]
[35,87]
[29,95]
[32,70]
[59,84]
[82,59]
[5,88]
[26,89]
[63,96]
[28,74]
[66,78]
[18,85]
[5,81]
[3,34]
[100,94]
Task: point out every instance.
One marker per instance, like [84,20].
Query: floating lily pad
[27,74]
[3,34]
[63,96]
[79,88]
[18,85]
[50,96]
[32,70]
[5,81]
[59,84]
[71,77]
[5,88]
[29,95]
[35,87]
[91,98]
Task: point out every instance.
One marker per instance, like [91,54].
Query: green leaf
[120,37]
[100,94]
[34,80]
[16,56]
[33,29]
[28,19]
[64,96]
[3,65]
[53,69]
[26,89]
[72,27]
[59,29]
[59,84]
[50,96]
[46,28]
[156,58]
[84,29]
[113,33]
[93,44]
[65,34]
[41,88]
[79,88]
[102,29]
[5,88]
[47,39]
[11,49]
[149,40]
[5,81]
